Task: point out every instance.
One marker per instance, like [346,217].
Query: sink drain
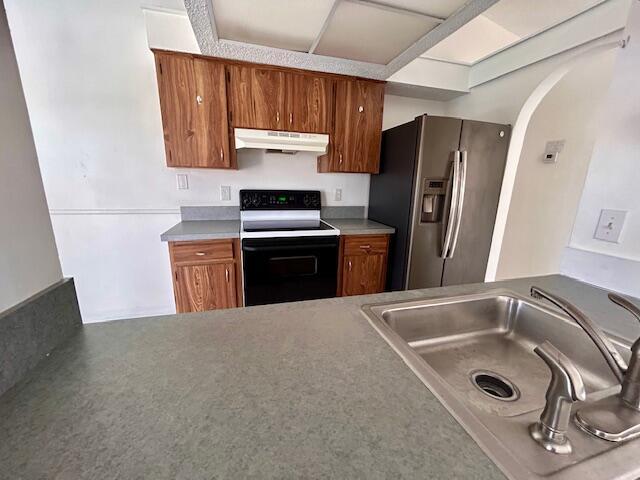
[494,385]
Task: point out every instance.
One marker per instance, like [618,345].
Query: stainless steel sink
[475,353]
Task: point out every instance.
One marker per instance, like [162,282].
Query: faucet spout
[613,358]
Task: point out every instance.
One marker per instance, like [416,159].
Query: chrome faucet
[597,418]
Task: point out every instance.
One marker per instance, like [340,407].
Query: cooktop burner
[283,225]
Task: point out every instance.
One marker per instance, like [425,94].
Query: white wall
[613,180]
[545,196]
[28,255]
[97,128]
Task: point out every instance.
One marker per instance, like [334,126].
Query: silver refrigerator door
[484,147]
[438,146]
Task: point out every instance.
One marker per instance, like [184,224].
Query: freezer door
[439,142]
[485,147]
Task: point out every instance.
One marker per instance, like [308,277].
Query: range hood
[283,141]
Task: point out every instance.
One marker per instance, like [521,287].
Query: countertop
[359,226]
[298,390]
[202,230]
[191,230]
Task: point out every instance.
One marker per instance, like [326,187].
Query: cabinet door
[212,131]
[205,287]
[358,126]
[176,85]
[309,103]
[363,274]
[257,97]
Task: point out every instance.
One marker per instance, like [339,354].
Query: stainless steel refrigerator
[439,185]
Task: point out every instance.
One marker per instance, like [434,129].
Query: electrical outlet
[225,193]
[338,195]
[552,150]
[610,225]
[182,180]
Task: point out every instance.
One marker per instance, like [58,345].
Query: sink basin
[475,353]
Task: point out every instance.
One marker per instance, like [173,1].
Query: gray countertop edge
[194,230]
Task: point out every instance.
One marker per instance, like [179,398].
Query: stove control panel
[280,200]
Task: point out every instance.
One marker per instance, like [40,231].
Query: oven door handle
[286,247]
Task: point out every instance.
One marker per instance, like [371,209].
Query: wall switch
[338,195]
[182,179]
[225,193]
[610,225]
[552,150]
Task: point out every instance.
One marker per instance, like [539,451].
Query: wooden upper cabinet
[309,103]
[357,129]
[257,97]
[193,103]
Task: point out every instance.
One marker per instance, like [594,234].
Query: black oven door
[288,269]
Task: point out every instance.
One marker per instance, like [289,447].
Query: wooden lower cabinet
[363,264]
[206,274]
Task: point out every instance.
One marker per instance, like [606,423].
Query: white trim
[394,9]
[212,21]
[325,24]
[114,211]
[169,11]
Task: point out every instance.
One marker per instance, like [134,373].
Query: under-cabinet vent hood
[284,141]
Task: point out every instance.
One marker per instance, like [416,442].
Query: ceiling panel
[438,8]
[370,34]
[504,24]
[288,24]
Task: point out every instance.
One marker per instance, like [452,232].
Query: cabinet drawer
[365,244]
[202,251]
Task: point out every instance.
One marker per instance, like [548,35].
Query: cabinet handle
[198,99]
[226,274]
[361,109]
[221,154]
[341,159]
[277,117]
[350,265]
[200,254]
[291,118]
[365,247]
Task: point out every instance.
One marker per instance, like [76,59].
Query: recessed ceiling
[504,24]
[437,8]
[287,24]
[369,33]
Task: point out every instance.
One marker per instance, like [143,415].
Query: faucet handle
[566,387]
[631,384]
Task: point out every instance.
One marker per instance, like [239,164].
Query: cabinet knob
[199,99]
[221,154]
[361,109]
[277,117]
[350,265]
[200,254]
[291,118]
[341,158]
[226,274]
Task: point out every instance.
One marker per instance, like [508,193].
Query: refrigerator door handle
[453,206]
[462,183]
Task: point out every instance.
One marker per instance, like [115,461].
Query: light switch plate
[225,193]
[610,225]
[338,195]
[182,180]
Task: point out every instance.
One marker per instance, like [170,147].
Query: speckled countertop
[202,230]
[359,226]
[191,230]
[299,390]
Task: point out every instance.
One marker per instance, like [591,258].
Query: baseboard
[30,330]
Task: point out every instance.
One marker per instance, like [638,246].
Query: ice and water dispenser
[434,191]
